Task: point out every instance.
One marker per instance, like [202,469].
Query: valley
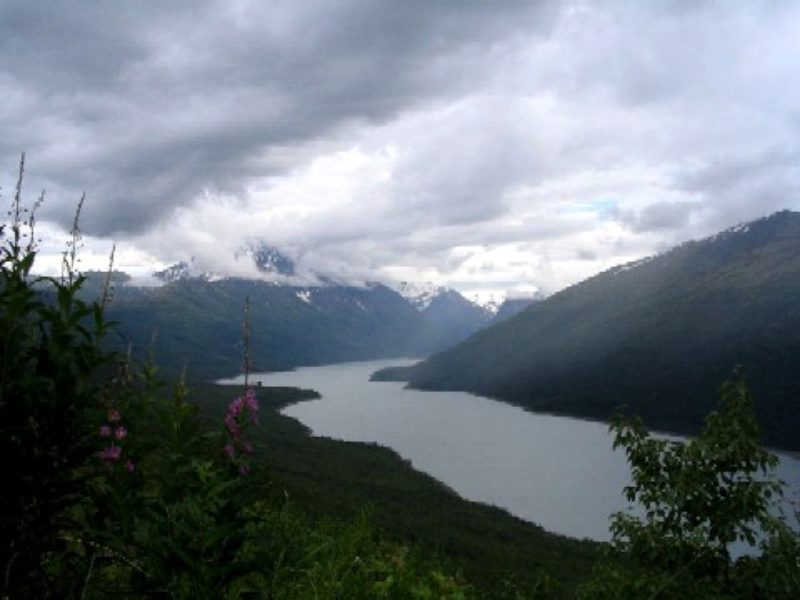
[501,555]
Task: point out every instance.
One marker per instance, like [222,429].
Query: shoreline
[332,478]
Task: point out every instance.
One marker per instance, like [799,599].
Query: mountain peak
[419,294]
[177,272]
[270,260]
[183,270]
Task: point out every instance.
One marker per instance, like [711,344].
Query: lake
[559,472]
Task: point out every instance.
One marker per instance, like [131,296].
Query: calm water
[558,472]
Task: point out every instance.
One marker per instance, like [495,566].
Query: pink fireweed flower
[232,426]
[105,431]
[230,451]
[129,466]
[120,433]
[252,405]
[242,412]
[114,416]
[111,453]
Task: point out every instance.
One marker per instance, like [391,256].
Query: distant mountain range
[198,316]
[657,336]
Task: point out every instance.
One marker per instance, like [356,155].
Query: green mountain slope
[658,336]
[201,321]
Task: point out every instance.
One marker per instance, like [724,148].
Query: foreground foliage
[116,485]
[699,499]
[48,354]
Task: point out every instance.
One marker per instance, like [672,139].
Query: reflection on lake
[559,472]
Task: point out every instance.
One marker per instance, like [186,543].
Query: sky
[492,147]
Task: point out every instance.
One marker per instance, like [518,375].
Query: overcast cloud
[489,146]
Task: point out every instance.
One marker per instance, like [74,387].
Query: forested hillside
[201,321]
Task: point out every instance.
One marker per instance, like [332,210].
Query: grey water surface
[559,472]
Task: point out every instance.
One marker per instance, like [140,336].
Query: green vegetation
[48,354]
[700,497]
[290,332]
[657,337]
[497,553]
[337,324]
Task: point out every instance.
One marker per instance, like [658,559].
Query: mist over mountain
[262,259]
[658,336]
[420,295]
[270,260]
[176,272]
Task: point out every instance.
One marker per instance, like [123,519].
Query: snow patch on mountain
[490,303]
[185,270]
[176,272]
[266,259]
[419,295]
[493,302]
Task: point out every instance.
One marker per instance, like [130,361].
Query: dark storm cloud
[64,47]
[145,107]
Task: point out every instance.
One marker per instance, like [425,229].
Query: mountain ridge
[292,325]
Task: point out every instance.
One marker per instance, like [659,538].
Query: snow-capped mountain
[183,270]
[177,272]
[419,294]
[504,305]
[267,259]
[291,325]
[490,304]
[295,321]
[270,260]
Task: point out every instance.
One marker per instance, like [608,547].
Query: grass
[493,550]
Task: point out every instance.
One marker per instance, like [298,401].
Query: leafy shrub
[699,498]
[49,356]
